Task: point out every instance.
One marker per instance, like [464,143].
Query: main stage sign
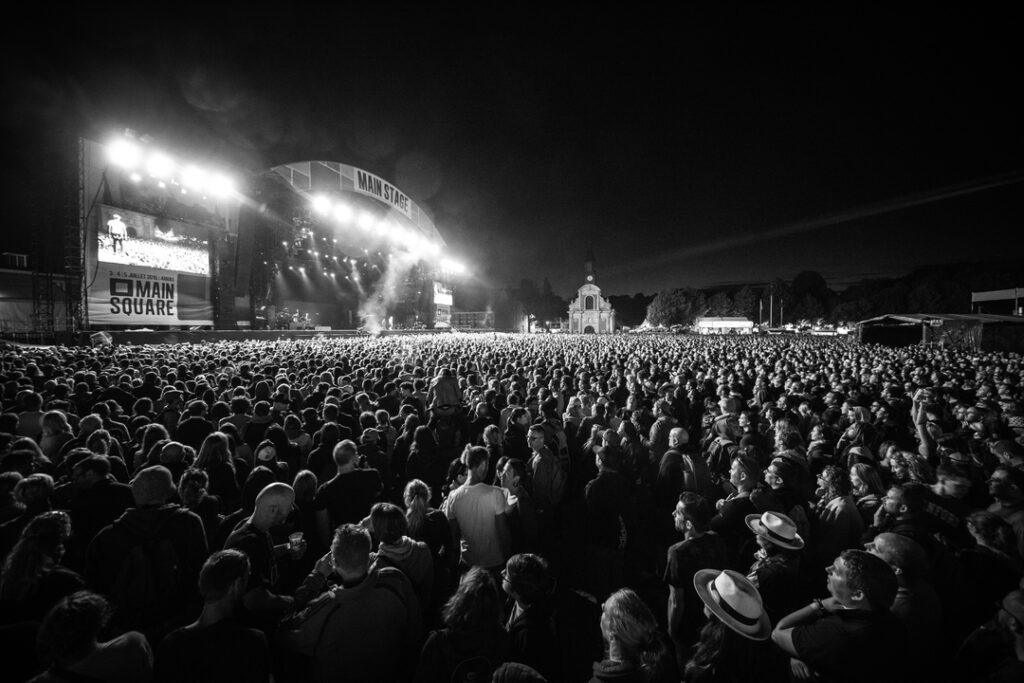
[370,185]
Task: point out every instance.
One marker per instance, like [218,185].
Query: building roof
[917,318]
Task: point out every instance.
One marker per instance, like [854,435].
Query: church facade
[589,312]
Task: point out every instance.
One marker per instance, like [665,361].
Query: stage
[127,337]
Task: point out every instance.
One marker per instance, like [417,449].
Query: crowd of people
[512,508]
[187,256]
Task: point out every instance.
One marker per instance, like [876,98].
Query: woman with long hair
[734,645]
[431,526]
[194,495]
[33,580]
[215,459]
[473,641]
[868,491]
[146,453]
[634,647]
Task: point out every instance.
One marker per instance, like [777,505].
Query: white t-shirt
[476,508]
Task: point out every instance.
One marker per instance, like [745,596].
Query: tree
[743,302]
[719,304]
[675,307]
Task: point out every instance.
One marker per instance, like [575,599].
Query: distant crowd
[189,256]
[512,508]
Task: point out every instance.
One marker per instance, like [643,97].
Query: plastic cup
[295,539]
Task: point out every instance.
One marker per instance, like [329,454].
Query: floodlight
[343,212]
[124,153]
[221,185]
[194,178]
[365,220]
[159,165]
[322,204]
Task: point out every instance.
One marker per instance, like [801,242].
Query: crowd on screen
[512,508]
[187,256]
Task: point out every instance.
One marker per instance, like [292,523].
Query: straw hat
[735,601]
[777,528]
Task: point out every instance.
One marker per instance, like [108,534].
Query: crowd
[512,508]
[188,256]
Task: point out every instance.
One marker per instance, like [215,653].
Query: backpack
[147,595]
[719,456]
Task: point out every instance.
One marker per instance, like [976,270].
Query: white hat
[777,528]
[735,601]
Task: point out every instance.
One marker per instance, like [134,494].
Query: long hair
[869,475]
[630,622]
[728,655]
[41,543]
[55,422]
[423,440]
[216,448]
[192,486]
[475,607]
[417,495]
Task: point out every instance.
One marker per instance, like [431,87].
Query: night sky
[697,148]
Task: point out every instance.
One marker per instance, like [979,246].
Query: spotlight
[284,243]
[365,220]
[124,153]
[321,204]
[302,269]
[135,178]
[335,240]
[194,178]
[433,248]
[159,165]
[343,213]
[221,186]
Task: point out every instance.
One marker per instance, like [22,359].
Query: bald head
[678,437]
[273,505]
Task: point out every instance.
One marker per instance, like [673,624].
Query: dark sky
[695,148]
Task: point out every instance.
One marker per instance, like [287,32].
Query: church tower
[589,312]
[588,264]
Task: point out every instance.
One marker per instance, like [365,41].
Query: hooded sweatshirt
[415,561]
[111,546]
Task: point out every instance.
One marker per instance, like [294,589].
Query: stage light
[124,153]
[321,204]
[433,248]
[162,185]
[343,212]
[365,220]
[302,269]
[221,185]
[135,178]
[159,165]
[284,243]
[335,240]
[194,178]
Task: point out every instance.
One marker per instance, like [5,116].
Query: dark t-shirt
[854,645]
[685,559]
[348,497]
[259,548]
[223,652]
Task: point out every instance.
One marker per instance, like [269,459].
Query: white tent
[718,325]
